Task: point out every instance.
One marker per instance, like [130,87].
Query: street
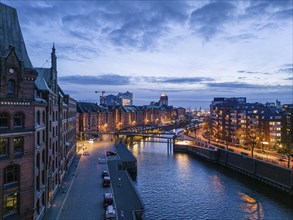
[84,198]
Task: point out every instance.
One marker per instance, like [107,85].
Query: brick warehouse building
[37,127]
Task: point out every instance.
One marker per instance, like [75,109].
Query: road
[269,156]
[85,196]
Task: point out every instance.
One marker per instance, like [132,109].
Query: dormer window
[11,87]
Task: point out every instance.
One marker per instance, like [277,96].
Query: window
[19,120]
[44,136]
[38,138]
[18,146]
[38,117]
[10,203]
[4,146]
[11,87]
[11,174]
[44,117]
[4,120]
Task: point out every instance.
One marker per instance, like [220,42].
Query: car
[106,181]
[105,173]
[91,140]
[111,153]
[86,153]
[260,151]
[108,199]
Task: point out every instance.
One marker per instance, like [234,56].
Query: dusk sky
[191,50]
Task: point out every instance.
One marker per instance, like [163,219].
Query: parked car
[91,140]
[106,181]
[111,153]
[86,153]
[110,212]
[105,173]
[108,199]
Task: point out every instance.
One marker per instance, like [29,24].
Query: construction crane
[102,98]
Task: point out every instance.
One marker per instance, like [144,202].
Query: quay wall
[271,174]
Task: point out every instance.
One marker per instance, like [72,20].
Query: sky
[191,50]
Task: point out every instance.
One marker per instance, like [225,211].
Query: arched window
[11,87]
[18,120]
[4,120]
[11,175]
[4,147]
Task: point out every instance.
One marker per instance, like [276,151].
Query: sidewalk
[53,211]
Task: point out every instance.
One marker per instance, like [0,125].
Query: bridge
[149,133]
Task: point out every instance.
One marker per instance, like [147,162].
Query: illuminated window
[4,146]
[18,146]
[10,203]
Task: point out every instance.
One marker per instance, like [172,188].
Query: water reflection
[217,184]
[252,209]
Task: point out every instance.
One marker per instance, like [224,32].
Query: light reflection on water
[177,186]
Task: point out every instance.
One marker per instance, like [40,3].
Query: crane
[102,98]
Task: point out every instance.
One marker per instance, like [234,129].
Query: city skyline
[191,50]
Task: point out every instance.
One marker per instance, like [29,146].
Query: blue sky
[191,50]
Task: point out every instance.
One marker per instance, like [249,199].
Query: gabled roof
[10,34]
[86,107]
[43,80]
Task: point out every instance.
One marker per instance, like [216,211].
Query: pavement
[54,209]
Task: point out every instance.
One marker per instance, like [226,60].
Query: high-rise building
[37,127]
[163,100]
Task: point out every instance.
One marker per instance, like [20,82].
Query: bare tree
[287,148]
[250,137]
[207,127]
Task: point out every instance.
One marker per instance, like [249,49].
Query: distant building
[163,100]
[126,98]
[123,99]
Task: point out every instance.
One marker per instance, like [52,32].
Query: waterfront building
[94,120]
[37,127]
[231,115]
[124,99]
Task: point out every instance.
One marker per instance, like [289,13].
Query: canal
[176,186]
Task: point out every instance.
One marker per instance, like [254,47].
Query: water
[177,186]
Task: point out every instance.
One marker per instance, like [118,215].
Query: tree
[287,148]
[207,126]
[249,137]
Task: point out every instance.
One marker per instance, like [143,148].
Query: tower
[163,99]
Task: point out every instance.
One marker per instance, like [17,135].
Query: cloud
[240,85]
[252,72]
[285,14]
[106,79]
[211,18]
[242,37]
[286,70]
[290,78]
[176,80]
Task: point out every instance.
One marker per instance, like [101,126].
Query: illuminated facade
[230,116]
